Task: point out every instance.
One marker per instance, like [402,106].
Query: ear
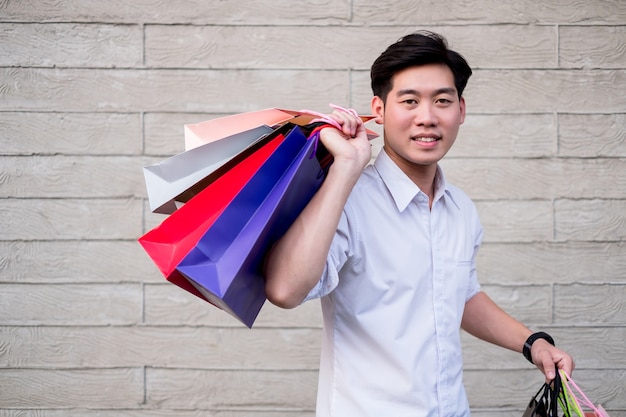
[378,110]
[462,108]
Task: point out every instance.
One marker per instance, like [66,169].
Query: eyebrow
[410,91]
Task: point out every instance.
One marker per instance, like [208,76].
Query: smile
[426,139]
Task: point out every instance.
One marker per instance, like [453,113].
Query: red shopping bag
[168,243]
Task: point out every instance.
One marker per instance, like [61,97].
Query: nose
[425,115]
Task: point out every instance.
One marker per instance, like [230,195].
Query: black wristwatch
[531,339]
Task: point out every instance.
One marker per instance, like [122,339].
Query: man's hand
[350,146]
[549,358]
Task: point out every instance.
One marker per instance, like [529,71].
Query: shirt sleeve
[474,286]
[337,257]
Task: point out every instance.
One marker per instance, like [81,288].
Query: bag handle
[568,382]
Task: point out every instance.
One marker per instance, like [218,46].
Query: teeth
[420,139]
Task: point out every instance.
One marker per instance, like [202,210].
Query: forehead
[423,78]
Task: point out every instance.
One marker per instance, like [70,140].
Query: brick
[591,175]
[588,304]
[165,132]
[530,91]
[479,355]
[263,47]
[61,219]
[91,177]
[503,46]
[492,179]
[590,219]
[151,220]
[419,13]
[592,46]
[551,262]
[606,343]
[70,304]
[594,347]
[497,412]
[180,347]
[336,47]
[168,305]
[169,90]
[592,135]
[194,11]
[529,304]
[60,388]
[516,221]
[506,136]
[70,45]
[25,133]
[230,389]
[74,261]
[488,179]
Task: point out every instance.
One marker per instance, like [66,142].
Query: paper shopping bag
[180,177]
[168,243]
[212,130]
[539,404]
[226,264]
[198,134]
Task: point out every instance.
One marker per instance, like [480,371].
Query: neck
[422,175]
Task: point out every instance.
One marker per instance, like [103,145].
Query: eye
[443,100]
[410,101]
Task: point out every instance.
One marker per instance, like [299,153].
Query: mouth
[426,138]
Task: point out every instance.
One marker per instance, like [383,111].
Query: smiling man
[390,249]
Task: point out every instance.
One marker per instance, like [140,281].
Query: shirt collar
[400,186]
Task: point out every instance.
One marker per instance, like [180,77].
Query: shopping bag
[213,147]
[168,243]
[577,400]
[548,401]
[226,263]
[539,404]
[177,179]
[198,134]
[208,131]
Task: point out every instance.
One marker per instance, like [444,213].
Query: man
[390,248]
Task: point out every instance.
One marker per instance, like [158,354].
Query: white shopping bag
[173,181]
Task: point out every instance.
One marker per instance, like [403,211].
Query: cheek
[452,122]
[401,121]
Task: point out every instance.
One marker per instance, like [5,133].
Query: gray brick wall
[92,91]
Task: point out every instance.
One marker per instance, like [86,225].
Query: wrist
[531,339]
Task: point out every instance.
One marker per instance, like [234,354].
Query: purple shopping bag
[226,264]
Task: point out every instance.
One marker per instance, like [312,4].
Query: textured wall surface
[91,91]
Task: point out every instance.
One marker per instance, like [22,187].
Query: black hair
[416,49]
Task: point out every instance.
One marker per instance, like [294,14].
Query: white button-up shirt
[394,289]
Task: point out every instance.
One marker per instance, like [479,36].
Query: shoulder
[368,185]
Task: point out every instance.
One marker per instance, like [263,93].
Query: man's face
[421,116]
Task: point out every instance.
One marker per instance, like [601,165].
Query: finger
[349,123]
[549,369]
[566,363]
